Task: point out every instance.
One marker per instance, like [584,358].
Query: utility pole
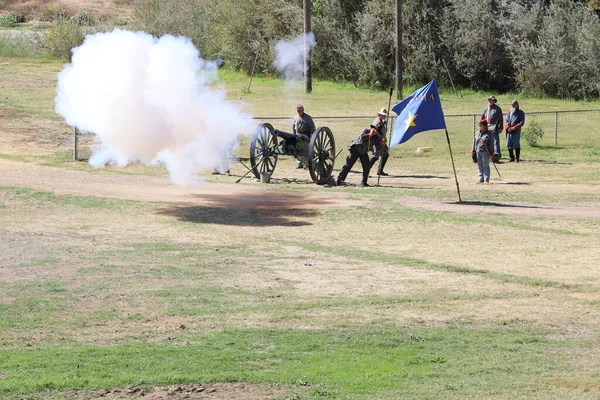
[307,67]
[399,65]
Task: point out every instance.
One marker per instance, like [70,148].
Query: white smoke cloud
[147,99]
[289,56]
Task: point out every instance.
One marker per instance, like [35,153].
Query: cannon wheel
[262,146]
[321,155]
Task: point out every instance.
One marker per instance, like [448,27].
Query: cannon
[316,152]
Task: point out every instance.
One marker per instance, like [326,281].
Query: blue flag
[421,111]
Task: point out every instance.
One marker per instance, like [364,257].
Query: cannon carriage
[316,152]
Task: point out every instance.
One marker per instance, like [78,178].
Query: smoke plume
[289,56]
[147,99]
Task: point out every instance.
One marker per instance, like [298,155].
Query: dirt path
[160,190]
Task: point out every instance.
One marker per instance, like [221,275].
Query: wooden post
[555,128]
[399,65]
[75,135]
[307,63]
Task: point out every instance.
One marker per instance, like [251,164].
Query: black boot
[512,155]
[518,151]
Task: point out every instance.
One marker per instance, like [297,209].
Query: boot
[518,151]
[512,155]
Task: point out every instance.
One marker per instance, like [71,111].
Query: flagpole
[453,167]
[387,125]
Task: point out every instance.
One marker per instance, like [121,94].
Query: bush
[556,50]
[82,19]
[11,19]
[118,21]
[532,133]
[54,12]
[63,37]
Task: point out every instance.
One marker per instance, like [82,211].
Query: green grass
[371,362]
[50,198]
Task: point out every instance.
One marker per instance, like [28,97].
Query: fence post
[75,134]
[555,128]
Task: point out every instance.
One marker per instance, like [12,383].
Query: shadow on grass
[547,162]
[513,183]
[265,209]
[489,204]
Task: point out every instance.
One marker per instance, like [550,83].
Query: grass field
[116,284]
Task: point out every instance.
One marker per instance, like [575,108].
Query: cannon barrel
[286,135]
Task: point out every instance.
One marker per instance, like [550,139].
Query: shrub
[62,37]
[118,21]
[11,19]
[54,12]
[532,133]
[83,19]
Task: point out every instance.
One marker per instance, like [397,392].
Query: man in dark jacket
[379,146]
[359,149]
[304,125]
[515,119]
[493,115]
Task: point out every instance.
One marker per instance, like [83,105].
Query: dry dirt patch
[213,391]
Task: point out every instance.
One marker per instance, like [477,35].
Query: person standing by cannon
[379,145]
[304,125]
[359,149]
[493,115]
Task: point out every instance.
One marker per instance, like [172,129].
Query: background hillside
[548,48]
[33,9]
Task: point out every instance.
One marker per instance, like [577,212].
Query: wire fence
[561,130]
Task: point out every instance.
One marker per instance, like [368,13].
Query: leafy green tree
[472,32]
[376,45]
[560,55]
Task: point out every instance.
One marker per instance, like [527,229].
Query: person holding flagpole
[483,142]
[420,112]
[379,145]
[359,149]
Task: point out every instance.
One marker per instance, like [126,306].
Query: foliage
[118,21]
[192,18]
[11,19]
[248,27]
[532,133]
[556,51]
[83,19]
[62,37]
[375,56]
[24,43]
[54,12]
[533,46]
[475,45]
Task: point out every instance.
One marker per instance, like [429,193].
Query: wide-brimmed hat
[383,111]
[492,97]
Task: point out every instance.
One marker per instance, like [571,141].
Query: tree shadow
[489,204]
[264,209]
